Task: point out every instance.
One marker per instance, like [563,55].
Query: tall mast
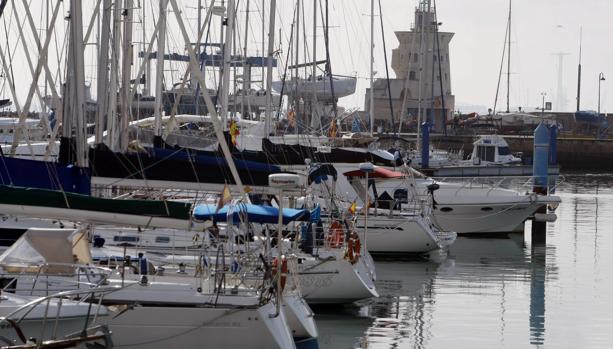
[271,50]
[509,61]
[78,80]
[579,70]
[126,71]
[103,71]
[159,67]
[421,68]
[226,63]
[371,110]
[112,106]
[297,63]
[314,67]
[246,67]
[147,61]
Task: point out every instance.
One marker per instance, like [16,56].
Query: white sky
[540,28]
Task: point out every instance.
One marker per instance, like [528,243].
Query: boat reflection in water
[483,293]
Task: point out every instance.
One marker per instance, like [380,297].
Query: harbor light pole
[600,80]
[543,107]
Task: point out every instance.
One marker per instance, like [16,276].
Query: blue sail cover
[44,175]
[255,214]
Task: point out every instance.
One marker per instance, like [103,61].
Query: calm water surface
[498,293]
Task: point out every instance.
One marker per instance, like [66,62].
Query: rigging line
[387,73]
[504,50]
[289,51]
[328,62]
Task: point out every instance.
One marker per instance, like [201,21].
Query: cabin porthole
[486,209]
[446,209]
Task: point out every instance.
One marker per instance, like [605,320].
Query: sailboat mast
[159,67]
[111,120]
[103,73]
[421,24]
[78,83]
[226,65]
[126,71]
[314,115]
[579,70]
[271,50]
[246,67]
[509,61]
[371,110]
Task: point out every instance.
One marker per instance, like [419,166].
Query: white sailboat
[147,314]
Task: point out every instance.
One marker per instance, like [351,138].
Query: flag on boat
[353,208]
[225,198]
[234,131]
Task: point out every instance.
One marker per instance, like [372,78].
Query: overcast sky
[540,29]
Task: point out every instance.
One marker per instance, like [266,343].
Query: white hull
[503,218]
[343,87]
[98,217]
[337,281]
[399,235]
[179,327]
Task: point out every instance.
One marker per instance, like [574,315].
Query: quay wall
[574,153]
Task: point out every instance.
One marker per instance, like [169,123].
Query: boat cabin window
[162,239]
[504,151]
[486,153]
[121,238]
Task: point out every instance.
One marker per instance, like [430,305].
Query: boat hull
[181,327]
[337,281]
[398,235]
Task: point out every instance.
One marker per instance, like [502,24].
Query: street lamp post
[543,107]
[600,80]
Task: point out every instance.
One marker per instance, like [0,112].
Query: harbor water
[498,292]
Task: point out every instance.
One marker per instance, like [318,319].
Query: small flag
[234,131]
[353,207]
[333,129]
[224,198]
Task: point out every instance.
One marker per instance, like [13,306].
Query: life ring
[336,235]
[275,270]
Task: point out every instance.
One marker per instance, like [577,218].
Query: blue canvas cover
[255,213]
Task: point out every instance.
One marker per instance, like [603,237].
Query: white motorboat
[471,206]
[491,150]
